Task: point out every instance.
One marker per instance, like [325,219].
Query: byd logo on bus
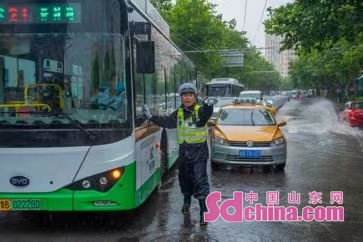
[19,181]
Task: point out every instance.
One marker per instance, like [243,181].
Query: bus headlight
[86,184]
[101,182]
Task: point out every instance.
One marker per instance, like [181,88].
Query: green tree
[163,6]
[315,24]
[196,26]
[328,37]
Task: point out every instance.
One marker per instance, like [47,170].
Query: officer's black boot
[203,209]
[186,205]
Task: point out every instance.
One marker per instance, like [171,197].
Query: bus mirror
[145,57]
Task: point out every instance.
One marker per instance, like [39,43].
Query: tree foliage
[164,6]
[328,36]
[316,24]
[197,28]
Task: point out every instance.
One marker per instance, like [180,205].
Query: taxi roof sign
[238,100]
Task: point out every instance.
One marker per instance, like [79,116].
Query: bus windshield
[81,74]
[69,59]
[219,90]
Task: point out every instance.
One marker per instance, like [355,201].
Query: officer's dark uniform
[193,157]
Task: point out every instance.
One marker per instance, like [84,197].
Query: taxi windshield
[246,117]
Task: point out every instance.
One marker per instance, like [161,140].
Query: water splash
[323,119]
[324,116]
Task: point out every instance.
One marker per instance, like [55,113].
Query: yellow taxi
[247,134]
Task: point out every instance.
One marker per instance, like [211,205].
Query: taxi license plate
[19,204]
[250,153]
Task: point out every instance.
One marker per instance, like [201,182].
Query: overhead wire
[244,17]
[188,42]
[259,24]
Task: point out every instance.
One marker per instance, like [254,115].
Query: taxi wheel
[280,167]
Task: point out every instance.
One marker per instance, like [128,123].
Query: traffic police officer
[190,120]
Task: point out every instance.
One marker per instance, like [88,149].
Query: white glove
[146,112]
[210,101]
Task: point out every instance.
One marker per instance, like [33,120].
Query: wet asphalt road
[323,156]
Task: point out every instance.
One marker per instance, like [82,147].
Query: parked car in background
[297,95]
[260,99]
[352,113]
[258,95]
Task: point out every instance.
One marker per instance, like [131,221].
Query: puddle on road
[168,185]
[207,234]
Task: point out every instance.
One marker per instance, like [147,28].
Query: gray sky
[236,8]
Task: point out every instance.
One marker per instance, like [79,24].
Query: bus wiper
[90,136]
[12,112]
[251,117]
[76,123]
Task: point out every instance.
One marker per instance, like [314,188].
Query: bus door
[147,135]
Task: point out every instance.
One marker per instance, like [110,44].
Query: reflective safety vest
[188,131]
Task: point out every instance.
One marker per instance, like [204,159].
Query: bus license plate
[250,153]
[5,204]
[19,204]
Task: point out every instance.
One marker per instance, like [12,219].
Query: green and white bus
[74,75]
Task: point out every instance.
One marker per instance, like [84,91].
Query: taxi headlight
[220,141]
[279,141]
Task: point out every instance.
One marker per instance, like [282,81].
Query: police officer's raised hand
[146,112]
[210,101]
